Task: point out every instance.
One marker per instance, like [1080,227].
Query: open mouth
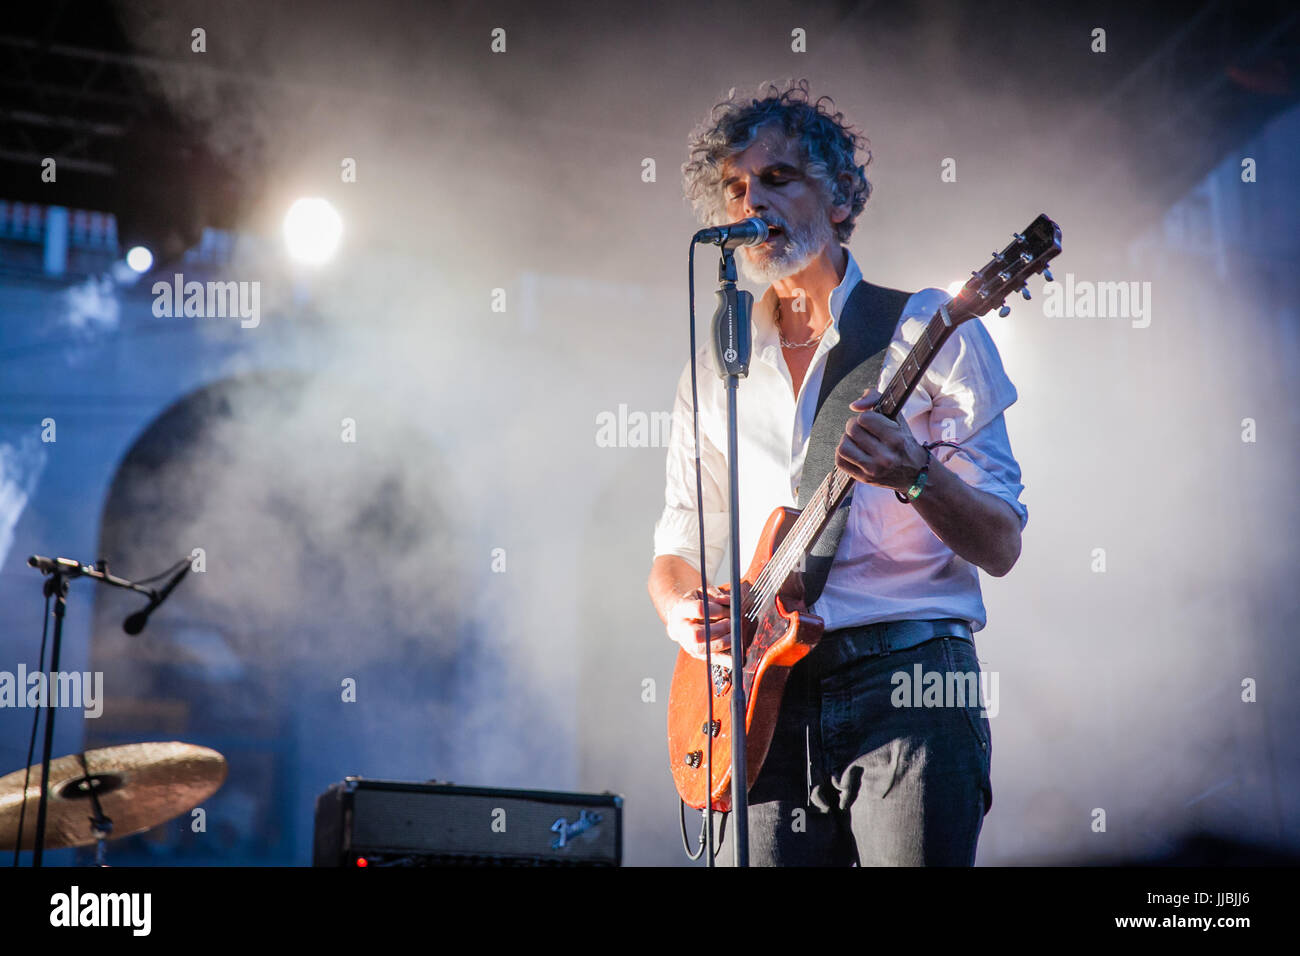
[772,232]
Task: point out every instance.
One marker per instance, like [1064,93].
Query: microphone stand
[731,350]
[61,571]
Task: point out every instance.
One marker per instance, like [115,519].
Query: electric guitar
[777,630]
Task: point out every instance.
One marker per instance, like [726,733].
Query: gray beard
[801,247]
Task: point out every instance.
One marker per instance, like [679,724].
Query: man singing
[856,773]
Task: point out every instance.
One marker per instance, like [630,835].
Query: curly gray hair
[827,145]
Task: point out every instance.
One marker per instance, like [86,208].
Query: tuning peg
[1024,292]
[1047,274]
[1018,237]
[1004,311]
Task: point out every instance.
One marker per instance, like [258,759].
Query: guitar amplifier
[362,822]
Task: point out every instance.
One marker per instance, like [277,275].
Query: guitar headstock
[1008,271]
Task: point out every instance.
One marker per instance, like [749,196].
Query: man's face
[767,180]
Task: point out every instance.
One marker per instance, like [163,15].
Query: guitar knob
[1004,311]
[694,757]
[1047,274]
[1024,292]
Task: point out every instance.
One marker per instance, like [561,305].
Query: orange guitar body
[781,637]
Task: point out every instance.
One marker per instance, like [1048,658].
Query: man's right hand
[685,624]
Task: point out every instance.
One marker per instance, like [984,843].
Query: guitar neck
[835,487]
[1008,271]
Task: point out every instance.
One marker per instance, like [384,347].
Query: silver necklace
[794,345]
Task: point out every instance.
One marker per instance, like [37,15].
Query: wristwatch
[918,484]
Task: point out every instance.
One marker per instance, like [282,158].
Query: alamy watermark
[208,300]
[1072,298]
[922,688]
[131,911]
[84,690]
[633,429]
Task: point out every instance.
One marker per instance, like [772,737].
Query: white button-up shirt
[889,565]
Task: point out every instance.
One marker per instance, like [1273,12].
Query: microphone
[747,232]
[50,565]
[136,622]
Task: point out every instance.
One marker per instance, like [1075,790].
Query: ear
[841,198]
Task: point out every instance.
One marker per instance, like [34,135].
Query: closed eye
[781,176]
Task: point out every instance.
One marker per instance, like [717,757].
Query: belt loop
[880,639]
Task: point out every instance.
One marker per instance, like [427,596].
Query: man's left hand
[878,450]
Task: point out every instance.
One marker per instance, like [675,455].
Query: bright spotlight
[955,287]
[312,229]
[139,259]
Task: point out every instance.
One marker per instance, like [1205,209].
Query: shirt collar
[767,341]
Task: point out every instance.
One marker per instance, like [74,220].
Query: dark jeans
[853,778]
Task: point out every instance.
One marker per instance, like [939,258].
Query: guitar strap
[866,327]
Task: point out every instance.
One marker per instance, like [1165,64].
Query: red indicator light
[362,861]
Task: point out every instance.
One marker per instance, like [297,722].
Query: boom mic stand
[61,571]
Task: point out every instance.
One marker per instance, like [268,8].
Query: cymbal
[139,786]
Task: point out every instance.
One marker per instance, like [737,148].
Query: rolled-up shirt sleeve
[969,388]
[678,530]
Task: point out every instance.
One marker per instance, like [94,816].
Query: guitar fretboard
[837,484]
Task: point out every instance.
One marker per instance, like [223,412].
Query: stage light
[312,229]
[140,259]
[955,287]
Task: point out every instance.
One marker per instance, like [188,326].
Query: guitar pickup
[721,680]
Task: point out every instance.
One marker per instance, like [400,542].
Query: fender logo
[567,830]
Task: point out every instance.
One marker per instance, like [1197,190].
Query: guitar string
[769,581]
[774,574]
